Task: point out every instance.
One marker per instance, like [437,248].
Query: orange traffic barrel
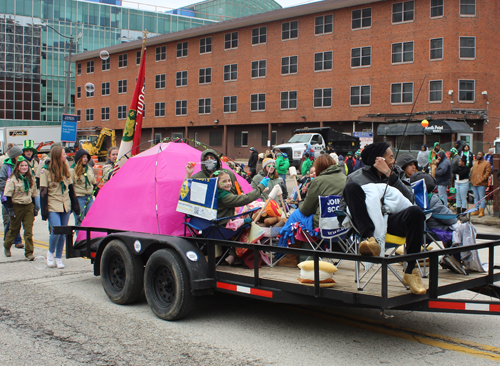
[98,175]
[95,159]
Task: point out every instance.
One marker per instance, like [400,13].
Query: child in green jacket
[306,165]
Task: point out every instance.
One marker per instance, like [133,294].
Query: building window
[436,91]
[105,114]
[289,65]
[241,138]
[468,7]
[160,109]
[466,90]
[182,49]
[231,72]
[90,67]
[205,76]
[161,53]
[360,95]
[79,115]
[181,107]
[138,58]
[290,30]
[323,24]
[259,35]
[402,52]
[361,18]
[436,48]
[79,68]
[160,81]
[437,8]
[259,69]
[78,92]
[215,138]
[122,60]
[467,47]
[361,57]
[89,114]
[322,98]
[181,78]
[122,112]
[401,93]
[258,102]
[231,40]
[205,45]
[106,64]
[403,12]
[204,106]
[89,94]
[105,88]
[265,138]
[289,99]
[323,61]
[122,86]
[230,104]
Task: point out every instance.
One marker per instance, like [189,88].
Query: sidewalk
[486,220]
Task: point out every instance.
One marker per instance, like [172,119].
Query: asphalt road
[63,317]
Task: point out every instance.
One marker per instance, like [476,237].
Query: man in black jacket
[443,176]
[379,168]
[252,162]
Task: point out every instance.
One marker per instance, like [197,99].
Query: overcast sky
[180,3]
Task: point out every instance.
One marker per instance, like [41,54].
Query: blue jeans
[462,189]
[82,200]
[479,193]
[443,195]
[283,176]
[56,242]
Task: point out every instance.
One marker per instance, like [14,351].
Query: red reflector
[245,290]
[92,255]
[446,305]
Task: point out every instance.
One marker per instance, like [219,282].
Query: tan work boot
[481,212]
[475,213]
[369,247]
[414,281]
[290,260]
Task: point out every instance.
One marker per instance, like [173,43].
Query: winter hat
[341,158]
[29,145]
[335,158]
[373,151]
[404,160]
[454,151]
[15,151]
[81,153]
[285,155]
[358,153]
[430,182]
[268,161]
[253,149]
[349,153]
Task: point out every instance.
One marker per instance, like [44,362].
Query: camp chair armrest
[241,214]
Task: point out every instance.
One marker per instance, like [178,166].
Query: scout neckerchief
[26,183]
[84,174]
[61,183]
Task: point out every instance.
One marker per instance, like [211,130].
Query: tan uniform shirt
[58,201]
[79,182]
[106,169]
[14,188]
[34,167]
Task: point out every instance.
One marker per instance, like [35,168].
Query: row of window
[362,18]
[401,93]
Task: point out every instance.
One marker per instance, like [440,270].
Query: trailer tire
[122,273]
[167,285]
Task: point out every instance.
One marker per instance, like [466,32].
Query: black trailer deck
[280,284]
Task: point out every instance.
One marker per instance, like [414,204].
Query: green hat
[21,158]
[29,145]
[454,151]
[358,153]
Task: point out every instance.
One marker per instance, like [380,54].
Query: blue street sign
[68,127]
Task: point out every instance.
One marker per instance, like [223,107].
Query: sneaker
[30,257]
[6,252]
[59,263]
[414,282]
[50,260]
[369,247]
[20,246]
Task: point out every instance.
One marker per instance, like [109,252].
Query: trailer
[40,134]
[173,272]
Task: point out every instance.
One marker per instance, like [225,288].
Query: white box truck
[39,134]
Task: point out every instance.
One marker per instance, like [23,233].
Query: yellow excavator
[99,148]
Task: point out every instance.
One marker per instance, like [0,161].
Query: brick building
[356,66]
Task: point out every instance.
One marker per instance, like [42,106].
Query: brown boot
[414,281]
[475,213]
[481,212]
[369,247]
[290,260]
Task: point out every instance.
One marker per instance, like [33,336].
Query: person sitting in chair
[409,222]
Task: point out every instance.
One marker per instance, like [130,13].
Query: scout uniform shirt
[15,188]
[58,197]
[79,182]
[33,164]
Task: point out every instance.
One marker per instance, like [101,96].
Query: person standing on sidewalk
[252,162]
[58,199]
[454,160]
[443,176]
[461,172]
[480,173]
[20,191]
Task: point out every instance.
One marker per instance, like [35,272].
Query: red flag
[132,133]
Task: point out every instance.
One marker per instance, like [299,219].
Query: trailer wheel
[122,273]
[167,286]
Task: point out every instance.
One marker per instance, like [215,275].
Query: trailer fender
[144,245]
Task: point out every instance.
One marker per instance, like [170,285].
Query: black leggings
[407,223]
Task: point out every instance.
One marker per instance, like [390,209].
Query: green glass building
[32,66]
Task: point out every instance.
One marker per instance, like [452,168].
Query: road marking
[38,243]
[431,339]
